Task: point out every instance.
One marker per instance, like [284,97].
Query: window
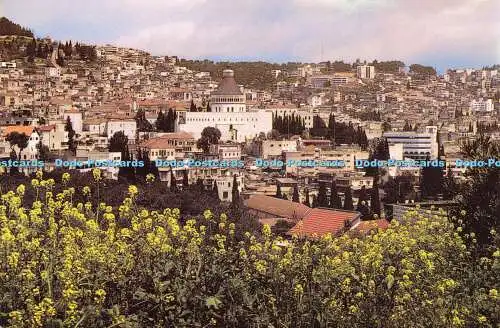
[224,194]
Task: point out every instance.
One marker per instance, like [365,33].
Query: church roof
[228,85]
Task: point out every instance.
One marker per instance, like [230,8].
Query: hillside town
[79,104]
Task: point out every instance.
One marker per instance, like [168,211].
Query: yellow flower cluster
[82,264]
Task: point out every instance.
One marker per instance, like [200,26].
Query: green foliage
[209,136]
[391,66]
[348,203]
[479,196]
[254,75]
[143,125]
[166,122]
[69,263]
[296,196]
[71,135]
[322,198]
[17,139]
[288,124]
[335,201]
[432,181]
[422,70]
[9,28]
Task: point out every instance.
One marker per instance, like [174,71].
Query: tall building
[415,145]
[366,72]
[482,105]
[229,114]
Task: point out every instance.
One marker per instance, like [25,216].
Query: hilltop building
[228,113]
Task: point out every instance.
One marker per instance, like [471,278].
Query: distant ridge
[8,27]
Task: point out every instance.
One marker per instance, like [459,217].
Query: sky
[440,33]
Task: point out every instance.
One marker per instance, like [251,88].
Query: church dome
[228,86]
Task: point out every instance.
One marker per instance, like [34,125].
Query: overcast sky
[441,33]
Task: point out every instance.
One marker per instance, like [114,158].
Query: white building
[31,151]
[274,148]
[366,72]
[229,114]
[225,187]
[229,151]
[76,118]
[128,126]
[415,145]
[53,136]
[11,64]
[482,105]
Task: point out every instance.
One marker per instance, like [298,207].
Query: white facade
[54,136]
[129,128]
[233,126]
[225,187]
[415,145]
[274,148]
[229,114]
[482,105]
[226,151]
[366,72]
[76,120]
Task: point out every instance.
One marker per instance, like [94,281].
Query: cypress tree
[278,191]
[215,191]
[199,184]
[235,192]
[362,206]
[375,198]
[322,200]
[307,201]
[185,180]
[173,182]
[348,203]
[296,197]
[335,201]
[314,201]
[160,121]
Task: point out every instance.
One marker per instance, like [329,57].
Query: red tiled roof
[162,141]
[46,128]
[322,221]
[366,226]
[276,207]
[27,130]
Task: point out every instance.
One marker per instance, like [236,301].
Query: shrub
[67,263]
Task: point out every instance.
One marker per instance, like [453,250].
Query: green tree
[431,181]
[307,201]
[296,196]
[17,139]
[322,199]
[118,143]
[209,136]
[173,181]
[43,152]
[235,193]
[278,194]
[479,195]
[185,180]
[348,203]
[71,135]
[375,198]
[335,201]
[143,125]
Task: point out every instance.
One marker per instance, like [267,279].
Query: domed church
[229,114]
